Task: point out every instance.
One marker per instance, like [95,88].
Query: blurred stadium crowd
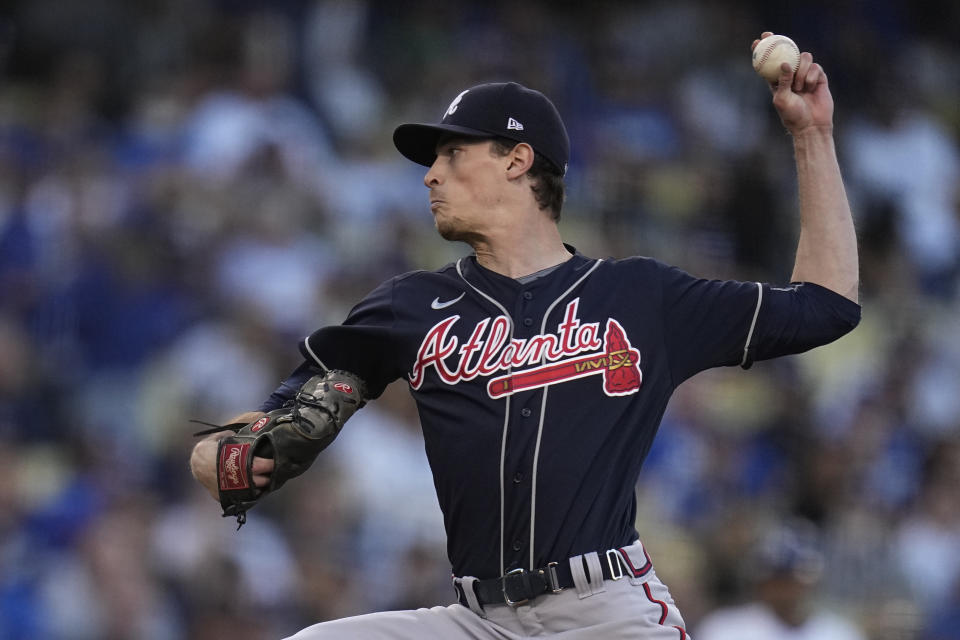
[187,187]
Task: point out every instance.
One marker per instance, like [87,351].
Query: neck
[519,250]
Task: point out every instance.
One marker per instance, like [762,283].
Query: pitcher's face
[466,183]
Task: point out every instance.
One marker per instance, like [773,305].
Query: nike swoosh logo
[436,304]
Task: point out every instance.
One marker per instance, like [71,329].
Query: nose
[432,177]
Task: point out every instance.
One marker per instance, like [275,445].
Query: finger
[822,79]
[800,77]
[814,77]
[262,465]
[757,41]
[262,468]
[784,81]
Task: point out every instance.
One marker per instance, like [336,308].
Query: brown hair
[548,188]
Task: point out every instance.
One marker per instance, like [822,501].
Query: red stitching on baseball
[769,50]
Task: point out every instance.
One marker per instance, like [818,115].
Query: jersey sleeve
[711,323]
[289,387]
[368,343]
[706,322]
[798,318]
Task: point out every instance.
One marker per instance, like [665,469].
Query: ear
[520,159]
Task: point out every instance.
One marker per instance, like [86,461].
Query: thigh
[455,622]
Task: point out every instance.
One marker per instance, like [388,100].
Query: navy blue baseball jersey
[539,398]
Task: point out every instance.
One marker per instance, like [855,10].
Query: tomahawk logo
[618,363]
[452,109]
[552,358]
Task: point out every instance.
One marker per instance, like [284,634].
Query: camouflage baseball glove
[292,436]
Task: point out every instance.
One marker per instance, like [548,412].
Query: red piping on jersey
[663,610]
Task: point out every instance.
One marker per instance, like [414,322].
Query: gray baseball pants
[630,608]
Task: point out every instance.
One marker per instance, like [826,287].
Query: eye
[449,149]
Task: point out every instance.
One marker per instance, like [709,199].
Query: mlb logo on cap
[501,109]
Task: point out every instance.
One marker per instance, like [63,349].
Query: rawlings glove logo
[233,466]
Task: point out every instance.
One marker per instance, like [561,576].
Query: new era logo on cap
[501,109]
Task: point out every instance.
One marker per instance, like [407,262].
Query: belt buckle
[516,573]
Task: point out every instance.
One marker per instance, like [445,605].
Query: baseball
[773,51]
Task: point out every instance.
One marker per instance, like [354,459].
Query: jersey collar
[476,274]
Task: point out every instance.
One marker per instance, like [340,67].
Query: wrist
[203,457]
[812,132]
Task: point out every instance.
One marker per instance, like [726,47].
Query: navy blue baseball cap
[499,109]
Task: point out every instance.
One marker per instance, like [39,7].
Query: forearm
[827,249]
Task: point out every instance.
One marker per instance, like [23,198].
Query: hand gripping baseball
[802,98]
[293,436]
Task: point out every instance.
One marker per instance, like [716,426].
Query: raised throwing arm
[827,249]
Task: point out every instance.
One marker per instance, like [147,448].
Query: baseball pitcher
[541,374]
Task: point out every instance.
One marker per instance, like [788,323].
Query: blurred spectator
[784,571]
[252,108]
[211,570]
[108,589]
[899,154]
[928,540]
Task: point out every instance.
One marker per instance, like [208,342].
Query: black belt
[521,585]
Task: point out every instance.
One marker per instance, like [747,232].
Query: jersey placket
[506,418]
[524,418]
[525,304]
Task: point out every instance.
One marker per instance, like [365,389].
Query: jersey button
[517,477]
[528,322]
[517,545]
[527,295]
[525,412]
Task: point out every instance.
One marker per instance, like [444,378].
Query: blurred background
[188,187]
